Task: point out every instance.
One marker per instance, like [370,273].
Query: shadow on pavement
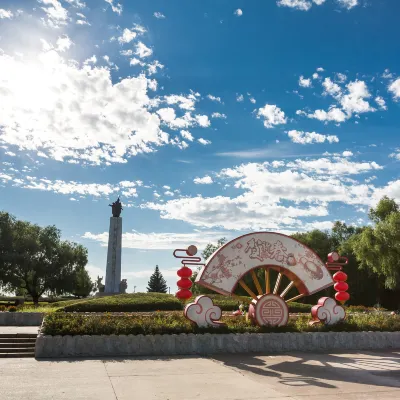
[306,369]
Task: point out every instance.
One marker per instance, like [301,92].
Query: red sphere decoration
[333,257]
[340,276]
[184,272]
[183,294]
[342,296]
[184,283]
[341,286]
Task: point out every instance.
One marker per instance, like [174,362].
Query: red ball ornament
[183,294]
[340,276]
[342,296]
[184,283]
[184,272]
[341,286]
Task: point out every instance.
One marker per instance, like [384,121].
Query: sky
[209,118]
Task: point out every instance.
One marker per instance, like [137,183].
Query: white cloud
[57,15]
[252,100]
[143,51]
[396,155]
[127,189]
[239,98]
[315,75]
[311,137]
[394,88]
[127,36]
[213,98]
[341,77]
[271,198]
[348,3]
[168,117]
[207,180]
[72,113]
[238,12]
[272,115]
[381,102]
[82,22]
[159,15]
[204,142]
[303,82]
[64,43]
[91,60]
[218,115]
[184,102]
[187,135]
[354,101]
[117,8]
[347,154]
[160,241]
[303,5]
[333,89]
[320,69]
[76,3]
[5,14]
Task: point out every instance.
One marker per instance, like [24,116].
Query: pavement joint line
[109,378]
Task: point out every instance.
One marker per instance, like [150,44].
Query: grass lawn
[175,323]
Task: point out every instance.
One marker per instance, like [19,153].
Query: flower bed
[176,323]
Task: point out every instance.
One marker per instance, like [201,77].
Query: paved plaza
[358,375]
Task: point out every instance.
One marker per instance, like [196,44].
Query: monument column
[113,270]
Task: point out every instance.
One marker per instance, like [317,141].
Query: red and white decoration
[204,313]
[335,263]
[328,311]
[270,310]
[184,284]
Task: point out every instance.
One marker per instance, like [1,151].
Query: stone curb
[208,344]
[21,319]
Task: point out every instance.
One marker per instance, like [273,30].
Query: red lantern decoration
[184,272]
[341,286]
[184,283]
[342,296]
[183,294]
[335,263]
[340,277]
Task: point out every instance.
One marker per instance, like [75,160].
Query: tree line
[373,252]
[35,261]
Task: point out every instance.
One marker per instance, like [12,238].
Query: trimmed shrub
[176,323]
[12,309]
[3,308]
[135,302]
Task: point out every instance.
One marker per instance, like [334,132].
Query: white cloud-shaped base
[328,311]
[203,312]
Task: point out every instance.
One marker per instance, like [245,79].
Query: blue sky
[209,118]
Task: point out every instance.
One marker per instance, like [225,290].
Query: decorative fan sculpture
[273,269]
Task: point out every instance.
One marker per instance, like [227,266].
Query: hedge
[127,303]
[175,323]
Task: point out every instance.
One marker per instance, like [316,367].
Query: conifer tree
[157,283]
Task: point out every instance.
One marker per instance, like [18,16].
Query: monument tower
[113,270]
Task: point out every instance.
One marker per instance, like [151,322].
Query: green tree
[377,248]
[318,241]
[206,254]
[157,283]
[82,284]
[36,259]
[212,248]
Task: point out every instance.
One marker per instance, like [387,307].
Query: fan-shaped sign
[225,268]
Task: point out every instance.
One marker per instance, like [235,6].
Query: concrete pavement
[361,375]
[19,329]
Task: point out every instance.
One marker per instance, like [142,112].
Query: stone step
[18,335]
[17,340]
[15,350]
[27,354]
[19,344]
